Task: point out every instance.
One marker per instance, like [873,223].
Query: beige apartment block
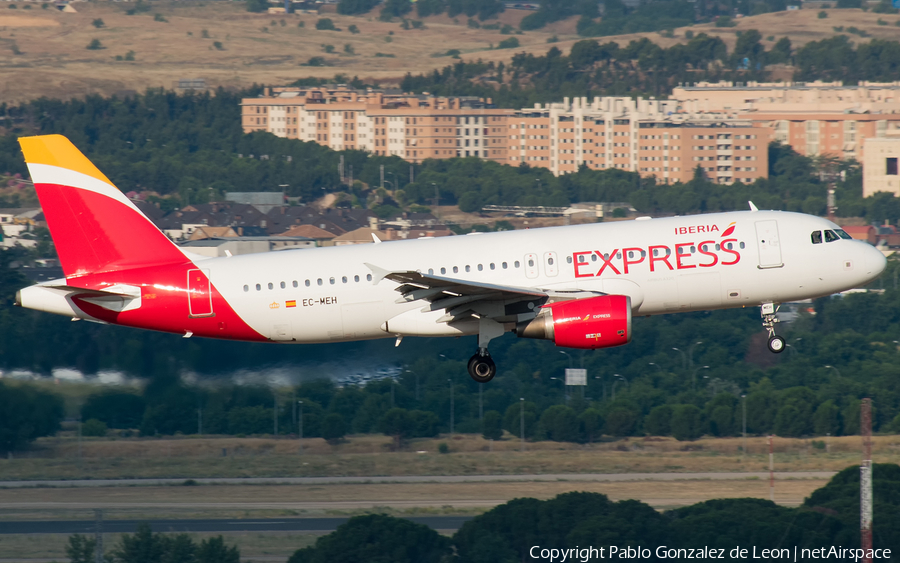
[652,137]
[818,119]
[880,164]
[409,126]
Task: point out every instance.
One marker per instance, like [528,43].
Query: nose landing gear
[776,343]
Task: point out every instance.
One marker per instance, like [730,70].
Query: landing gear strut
[481,367]
[776,343]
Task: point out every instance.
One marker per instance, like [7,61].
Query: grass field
[371,455]
[44,52]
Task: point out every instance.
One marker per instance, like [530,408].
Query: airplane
[578,286]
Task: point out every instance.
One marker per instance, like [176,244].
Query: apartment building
[821,119]
[881,172]
[413,127]
[652,137]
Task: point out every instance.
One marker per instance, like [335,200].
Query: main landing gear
[776,343]
[481,367]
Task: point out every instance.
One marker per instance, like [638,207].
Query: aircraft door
[531,266]
[768,244]
[551,266]
[199,295]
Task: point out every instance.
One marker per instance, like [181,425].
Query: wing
[461,299]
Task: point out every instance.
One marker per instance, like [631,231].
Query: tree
[826,419]
[686,422]
[560,424]
[512,419]
[491,426]
[334,428]
[591,423]
[377,538]
[117,409]
[621,422]
[27,414]
[98,23]
[93,427]
[214,550]
[424,424]
[95,45]
[397,423]
[257,6]
[395,9]
[81,549]
[352,7]
[659,421]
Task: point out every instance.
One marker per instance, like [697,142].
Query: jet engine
[595,322]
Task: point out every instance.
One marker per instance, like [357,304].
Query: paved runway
[314,525]
[594,477]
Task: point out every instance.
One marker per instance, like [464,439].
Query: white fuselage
[330,294]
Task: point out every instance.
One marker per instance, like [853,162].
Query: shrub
[334,428]
[386,55]
[443,448]
[325,24]
[348,48]
[159,18]
[353,29]
[328,48]
[822,15]
[725,21]
[93,427]
[553,39]
[689,34]
[510,43]
[95,45]
[218,45]
[301,24]
[491,425]
[129,56]
[204,34]
[98,23]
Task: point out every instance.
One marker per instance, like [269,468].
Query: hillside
[227,46]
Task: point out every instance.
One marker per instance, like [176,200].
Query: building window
[891,166]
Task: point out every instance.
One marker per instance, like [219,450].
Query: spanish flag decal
[289,304]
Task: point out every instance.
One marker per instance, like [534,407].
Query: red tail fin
[94,226]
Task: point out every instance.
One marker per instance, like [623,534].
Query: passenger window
[630,254]
[246,288]
[718,247]
[656,252]
[703,248]
[368,277]
[356,278]
[493,267]
[344,279]
[843,234]
[550,261]
[480,267]
[271,285]
[306,283]
[742,246]
[455,270]
[693,250]
[830,236]
[319,281]
[516,263]
[331,281]
[729,246]
[816,237]
[593,257]
[443,270]
[295,284]
[531,263]
[258,287]
[430,271]
[283,285]
[468,268]
[643,254]
[618,255]
[668,251]
[503,265]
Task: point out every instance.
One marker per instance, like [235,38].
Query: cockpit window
[816,237]
[830,236]
[843,234]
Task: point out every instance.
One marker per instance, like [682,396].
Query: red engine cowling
[595,322]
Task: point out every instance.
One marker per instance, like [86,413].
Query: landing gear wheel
[482,368]
[776,344]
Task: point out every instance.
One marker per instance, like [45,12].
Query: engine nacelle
[596,322]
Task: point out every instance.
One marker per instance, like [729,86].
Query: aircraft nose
[875,262]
